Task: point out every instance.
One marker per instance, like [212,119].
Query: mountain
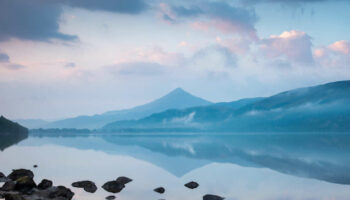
[184,118]
[11,133]
[177,99]
[319,108]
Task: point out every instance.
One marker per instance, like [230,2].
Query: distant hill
[32,123]
[177,99]
[319,108]
[11,133]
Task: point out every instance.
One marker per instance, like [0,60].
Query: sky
[64,58]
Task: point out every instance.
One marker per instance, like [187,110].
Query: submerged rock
[61,192]
[18,173]
[113,186]
[192,185]
[25,184]
[44,184]
[212,197]
[124,180]
[160,190]
[88,186]
[111,197]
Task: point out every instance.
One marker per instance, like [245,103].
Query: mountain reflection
[7,141]
[323,157]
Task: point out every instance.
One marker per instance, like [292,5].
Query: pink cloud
[319,53]
[336,54]
[293,45]
[341,46]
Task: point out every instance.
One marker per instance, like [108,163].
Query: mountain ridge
[177,98]
[318,108]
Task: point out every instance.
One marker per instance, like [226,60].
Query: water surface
[236,166]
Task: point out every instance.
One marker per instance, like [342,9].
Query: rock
[3,178]
[25,184]
[124,180]
[61,192]
[35,166]
[160,190]
[10,196]
[9,186]
[111,197]
[212,197]
[44,184]
[18,173]
[88,186]
[113,186]
[192,185]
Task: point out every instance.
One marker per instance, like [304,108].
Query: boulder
[25,184]
[124,180]
[111,197]
[18,173]
[61,192]
[88,186]
[212,197]
[3,178]
[160,190]
[44,184]
[113,186]
[9,186]
[192,185]
[13,196]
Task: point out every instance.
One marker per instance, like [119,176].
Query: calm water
[238,167]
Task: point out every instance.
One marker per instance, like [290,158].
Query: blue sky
[66,58]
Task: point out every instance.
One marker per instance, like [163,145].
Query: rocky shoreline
[20,185]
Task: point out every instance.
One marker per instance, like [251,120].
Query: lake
[235,166]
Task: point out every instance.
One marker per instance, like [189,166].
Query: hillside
[192,117]
[319,108]
[11,133]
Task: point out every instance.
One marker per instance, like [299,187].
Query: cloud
[12,66]
[15,66]
[119,6]
[212,61]
[342,46]
[137,68]
[220,16]
[293,45]
[4,58]
[70,65]
[234,44]
[30,20]
[153,54]
[283,1]
[6,63]
[336,54]
[38,20]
